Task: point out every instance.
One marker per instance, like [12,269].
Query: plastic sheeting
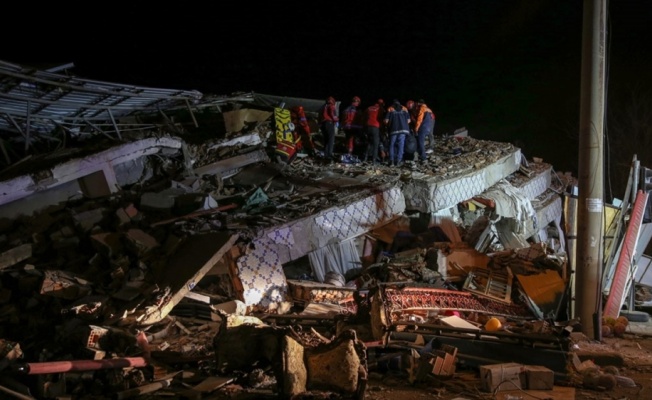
[511,203]
[337,257]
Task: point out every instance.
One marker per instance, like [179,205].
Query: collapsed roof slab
[25,185]
[548,208]
[94,172]
[431,193]
[535,185]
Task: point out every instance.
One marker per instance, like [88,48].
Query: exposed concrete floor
[640,328]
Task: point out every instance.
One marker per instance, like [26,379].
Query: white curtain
[339,257]
[511,203]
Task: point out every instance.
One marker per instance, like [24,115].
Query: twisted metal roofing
[36,104]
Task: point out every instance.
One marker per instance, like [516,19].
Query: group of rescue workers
[368,132]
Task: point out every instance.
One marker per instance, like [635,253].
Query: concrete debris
[188,267]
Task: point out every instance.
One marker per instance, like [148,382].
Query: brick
[539,377]
[141,241]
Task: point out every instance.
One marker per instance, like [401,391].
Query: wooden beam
[187,266]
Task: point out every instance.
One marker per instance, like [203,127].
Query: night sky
[507,70]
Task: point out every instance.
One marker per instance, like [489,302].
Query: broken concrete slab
[71,170]
[14,256]
[229,167]
[435,192]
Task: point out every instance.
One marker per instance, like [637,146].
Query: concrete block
[122,216]
[108,243]
[141,241]
[499,377]
[156,201]
[334,366]
[539,377]
[15,255]
[88,219]
[295,375]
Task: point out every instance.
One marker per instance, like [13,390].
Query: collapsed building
[145,230]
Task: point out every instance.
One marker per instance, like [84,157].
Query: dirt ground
[631,356]
[636,353]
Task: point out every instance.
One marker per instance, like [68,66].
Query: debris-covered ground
[138,294]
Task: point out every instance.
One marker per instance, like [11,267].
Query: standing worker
[423,126]
[397,121]
[328,124]
[302,127]
[352,123]
[373,119]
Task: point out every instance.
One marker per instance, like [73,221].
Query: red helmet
[410,104]
[355,99]
[297,109]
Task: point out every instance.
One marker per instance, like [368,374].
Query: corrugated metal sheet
[37,102]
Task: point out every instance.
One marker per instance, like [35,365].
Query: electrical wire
[606,150]
[606,168]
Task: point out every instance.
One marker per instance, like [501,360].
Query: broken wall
[260,270]
[96,175]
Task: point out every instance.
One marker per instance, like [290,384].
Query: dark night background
[507,70]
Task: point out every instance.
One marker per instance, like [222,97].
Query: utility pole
[588,304]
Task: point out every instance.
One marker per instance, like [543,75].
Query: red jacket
[352,118]
[373,115]
[328,112]
[299,119]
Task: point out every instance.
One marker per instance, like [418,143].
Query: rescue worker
[373,120]
[302,127]
[414,111]
[423,126]
[410,105]
[328,124]
[397,121]
[351,122]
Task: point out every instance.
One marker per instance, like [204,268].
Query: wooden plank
[187,267]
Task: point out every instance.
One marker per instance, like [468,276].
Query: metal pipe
[53,367]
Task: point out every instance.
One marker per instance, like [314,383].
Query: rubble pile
[200,251]
[84,279]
